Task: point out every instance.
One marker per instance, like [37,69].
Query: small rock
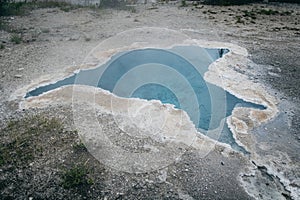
[273,74]
[20,69]
[222,163]
[18,76]
[45,30]
[74,37]
[152,8]
[87,37]
[163,176]
[3,73]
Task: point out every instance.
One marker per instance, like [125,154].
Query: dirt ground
[41,154]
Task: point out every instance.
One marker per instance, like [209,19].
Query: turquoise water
[173,76]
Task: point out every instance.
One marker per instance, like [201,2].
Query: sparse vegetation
[121,4]
[19,148]
[16,38]
[229,2]
[3,25]
[34,146]
[79,147]
[9,8]
[267,12]
[183,3]
[251,14]
[76,176]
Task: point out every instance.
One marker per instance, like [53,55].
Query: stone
[45,30]
[74,37]
[18,76]
[87,37]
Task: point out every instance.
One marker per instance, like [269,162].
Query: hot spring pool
[173,76]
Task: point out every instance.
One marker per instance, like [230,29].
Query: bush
[8,7]
[76,177]
[112,3]
[183,3]
[16,38]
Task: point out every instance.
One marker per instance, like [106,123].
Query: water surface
[173,76]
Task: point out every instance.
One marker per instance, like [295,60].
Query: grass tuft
[183,3]
[79,147]
[76,176]
[16,38]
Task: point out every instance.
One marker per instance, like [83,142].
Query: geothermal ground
[42,156]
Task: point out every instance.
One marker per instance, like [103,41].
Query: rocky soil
[41,156]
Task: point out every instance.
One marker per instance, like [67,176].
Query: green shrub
[121,4]
[78,147]
[16,38]
[183,3]
[8,7]
[76,177]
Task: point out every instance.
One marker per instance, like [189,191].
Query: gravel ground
[53,40]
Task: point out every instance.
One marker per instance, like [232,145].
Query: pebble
[74,37]
[87,37]
[45,30]
[18,76]
[273,74]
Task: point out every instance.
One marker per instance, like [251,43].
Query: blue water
[173,76]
